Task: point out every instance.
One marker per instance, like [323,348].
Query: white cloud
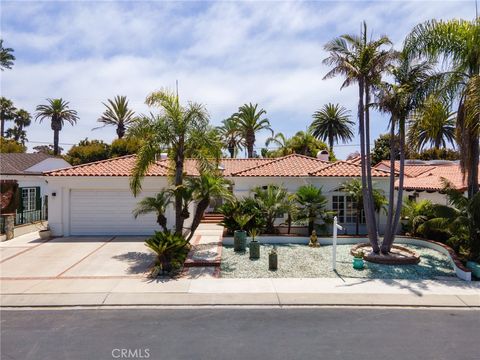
[223,54]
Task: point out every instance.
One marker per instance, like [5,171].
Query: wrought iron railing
[24,217]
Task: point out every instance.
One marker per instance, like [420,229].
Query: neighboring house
[95,198]
[424,179]
[27,170]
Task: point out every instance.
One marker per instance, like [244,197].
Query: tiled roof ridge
[275,160]
[347,162]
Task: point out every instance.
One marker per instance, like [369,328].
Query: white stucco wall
[59,205]
[243,185]
[29,181]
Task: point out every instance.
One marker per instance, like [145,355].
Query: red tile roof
[120,166]
[411,170]
[346,169]
[431,180]
[291,165]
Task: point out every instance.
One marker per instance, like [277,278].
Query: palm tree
[205,188]
[21,119]
[412,82]
[291,210]
[231,136]
[332,123]
[272,203]
[57,110]
[433,123]
[305,143]
[281,142]
[117,114]
[157,204]
[251,121]
[457,43]
[361,61]
[353,189]
[7,112]
[182,131]
[6,57]
[312,205]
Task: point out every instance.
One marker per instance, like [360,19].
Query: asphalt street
[241,333]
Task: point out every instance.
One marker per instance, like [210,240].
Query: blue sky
[223,54]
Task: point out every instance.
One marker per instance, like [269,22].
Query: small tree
[312,205]
[272,203]
[157,204]
[88,151]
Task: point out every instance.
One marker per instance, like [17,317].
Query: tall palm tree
[361,61]
[231,136]
[22,119]
[412,82]
[157,204]
[332,123]
[58,111]
[457,43]
[6,57]
[251,121]
[353,188]
[206,187]
[312,205]
[117,114]
[433,123]
[7,112]
[281,142]
[182,131]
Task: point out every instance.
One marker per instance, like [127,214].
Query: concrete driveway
[28,257]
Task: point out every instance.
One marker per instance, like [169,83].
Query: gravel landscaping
[301,261]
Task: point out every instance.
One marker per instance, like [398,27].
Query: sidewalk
[204,291]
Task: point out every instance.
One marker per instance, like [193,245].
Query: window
[346,209]
[29,199]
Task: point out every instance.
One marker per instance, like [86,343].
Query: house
[424,180]
[95,198]
[27,170]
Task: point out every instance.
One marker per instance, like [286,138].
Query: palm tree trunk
[361,114]
[357,222]
[289,223]
[330,143]
[201,207]
[120,131]
[179,160]
[2,121]
[371,205]
[56,150]
[401,177]
[391,194]
[250,143]
[472,180]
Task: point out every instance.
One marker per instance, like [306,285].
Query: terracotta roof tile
[411,170]
[291,165]
[432,179]
[120,166]
[346,169]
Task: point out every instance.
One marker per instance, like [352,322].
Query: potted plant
[45,232]
[358,263]
[254,245]
[240,236]
[273,259]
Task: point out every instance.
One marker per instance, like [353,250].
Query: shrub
[246,206]
[171,250]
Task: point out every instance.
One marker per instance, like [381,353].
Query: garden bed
[301,261]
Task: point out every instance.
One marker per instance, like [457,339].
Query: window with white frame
[346,209]
[29,199]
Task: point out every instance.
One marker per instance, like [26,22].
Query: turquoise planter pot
[358,263]
[239,240]
[475,267]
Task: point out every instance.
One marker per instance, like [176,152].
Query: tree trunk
[179,160]
[472,179]
[162,221]
[401,177]
[289,223]
[330,143]
[357,222]
[361,114]
[120,131]
[391,194]
[2,121]
[368,160]
[201,207]
[56,150]
[250,142]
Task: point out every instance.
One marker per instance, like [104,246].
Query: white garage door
[105,212]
